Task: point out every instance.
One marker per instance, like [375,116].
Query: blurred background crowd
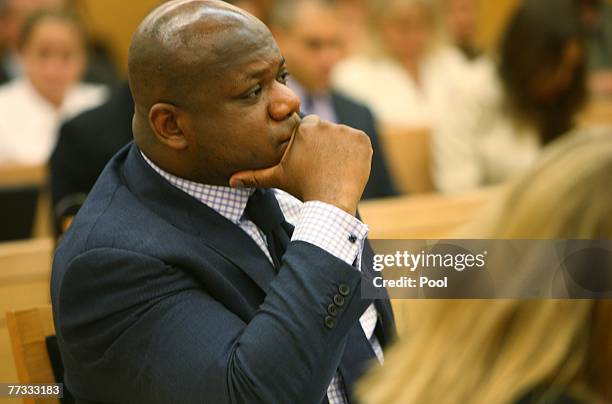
[456,96]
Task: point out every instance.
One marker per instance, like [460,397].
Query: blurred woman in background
[496,128]
[404,77]
[517,351]
[13,14]
[52,49]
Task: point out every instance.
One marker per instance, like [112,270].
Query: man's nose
[284,103]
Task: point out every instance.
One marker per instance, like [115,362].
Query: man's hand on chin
[323,162]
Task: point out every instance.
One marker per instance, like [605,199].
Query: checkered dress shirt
[318,223]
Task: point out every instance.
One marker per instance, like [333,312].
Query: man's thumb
[264,178]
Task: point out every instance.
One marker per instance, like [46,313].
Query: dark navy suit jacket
[355,115]
[158,299]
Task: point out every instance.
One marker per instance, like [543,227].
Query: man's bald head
[209,84]
[180,43]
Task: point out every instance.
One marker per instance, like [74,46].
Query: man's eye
[283,77]
[255,92]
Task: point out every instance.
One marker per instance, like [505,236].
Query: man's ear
[164,120]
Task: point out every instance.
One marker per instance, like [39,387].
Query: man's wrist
[332,229]
[346,204]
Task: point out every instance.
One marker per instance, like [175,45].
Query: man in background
[461,21]
[596,16]
[310,35]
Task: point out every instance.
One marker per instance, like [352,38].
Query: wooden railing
[408,154]
[427,216]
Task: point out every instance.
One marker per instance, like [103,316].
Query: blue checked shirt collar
[228,202]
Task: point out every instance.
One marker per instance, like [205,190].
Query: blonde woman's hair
[566,195]
[496,351]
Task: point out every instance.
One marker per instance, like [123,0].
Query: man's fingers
[264,178]
[310,120]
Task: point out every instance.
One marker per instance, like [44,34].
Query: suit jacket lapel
[344,112]
[336,104]
[192,216]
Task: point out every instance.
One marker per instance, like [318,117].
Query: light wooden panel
[429,216]
[28,329]
[16,175]
[115,21]
[493,19]
[43,220]
[597,112]
[25,269]
[408,154]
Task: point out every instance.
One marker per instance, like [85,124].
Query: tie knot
[263,210]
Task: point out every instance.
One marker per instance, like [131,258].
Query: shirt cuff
[332,229]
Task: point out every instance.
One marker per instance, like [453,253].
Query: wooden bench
[25,269]
[28,329]
[407,152]
[597,112]
[12,175]
[428,216]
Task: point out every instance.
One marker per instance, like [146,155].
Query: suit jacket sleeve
[148,332]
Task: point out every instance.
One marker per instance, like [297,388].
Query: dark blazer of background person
[358,116]
[4,76]
[86,143]
[153,291]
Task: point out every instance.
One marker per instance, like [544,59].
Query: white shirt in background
[29,124]
[477,143]
[393,95]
